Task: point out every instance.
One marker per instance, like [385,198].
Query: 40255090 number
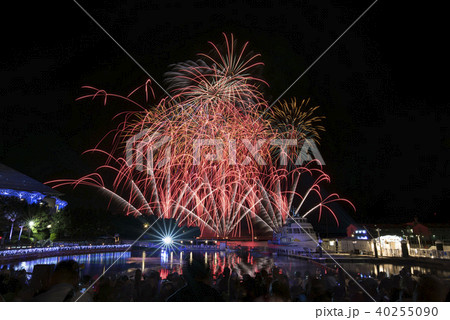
[407,311]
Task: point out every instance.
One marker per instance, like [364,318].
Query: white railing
[199,246]
[390,253]
[429,253]
[60,249]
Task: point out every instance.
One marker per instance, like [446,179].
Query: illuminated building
[16,184]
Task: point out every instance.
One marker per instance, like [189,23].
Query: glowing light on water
[217,261]
[164,256]
[143,261]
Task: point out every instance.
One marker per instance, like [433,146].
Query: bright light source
[167,240]
[31,224]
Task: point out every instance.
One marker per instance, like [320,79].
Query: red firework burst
[164,164]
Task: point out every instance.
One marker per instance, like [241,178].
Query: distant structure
[16,184]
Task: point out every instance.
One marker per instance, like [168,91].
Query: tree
[11,216]
[38,219]
[12,210]
[61,226]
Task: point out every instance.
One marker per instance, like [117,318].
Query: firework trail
[223,187]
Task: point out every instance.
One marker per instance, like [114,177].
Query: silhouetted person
[396,289]
[149,287]
[167,289]
[123,289]
[9,287]
[430,288]
[407,284]
[260,287]
[223,283]
[316,291]
[275,272]
[197,289]
[279,291]
[248,286]
[370,285]
[63,283]
[137,285]
[296,289]
[105,290]
[177,281]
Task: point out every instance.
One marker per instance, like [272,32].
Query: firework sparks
[217,97]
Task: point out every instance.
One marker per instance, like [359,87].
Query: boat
[297,232]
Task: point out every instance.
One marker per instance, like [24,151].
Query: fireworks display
[204,155]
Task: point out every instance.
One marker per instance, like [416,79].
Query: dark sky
[383,87]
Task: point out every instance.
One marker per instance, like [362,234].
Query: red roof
[419,228]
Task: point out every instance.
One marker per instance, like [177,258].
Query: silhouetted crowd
[197,284]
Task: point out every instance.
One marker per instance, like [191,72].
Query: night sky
[383,87]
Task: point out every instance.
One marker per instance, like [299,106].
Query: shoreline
[57,253]
[443,264]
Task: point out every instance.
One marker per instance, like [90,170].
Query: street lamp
[20,233]
[30,225]
[379,241]
[418,238]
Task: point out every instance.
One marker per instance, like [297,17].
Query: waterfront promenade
[29,253]
[439,260]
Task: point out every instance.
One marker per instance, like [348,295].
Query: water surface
[245,262]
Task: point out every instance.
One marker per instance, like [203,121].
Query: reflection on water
[252,262]
[245,262]
[93,263]
[391,269]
